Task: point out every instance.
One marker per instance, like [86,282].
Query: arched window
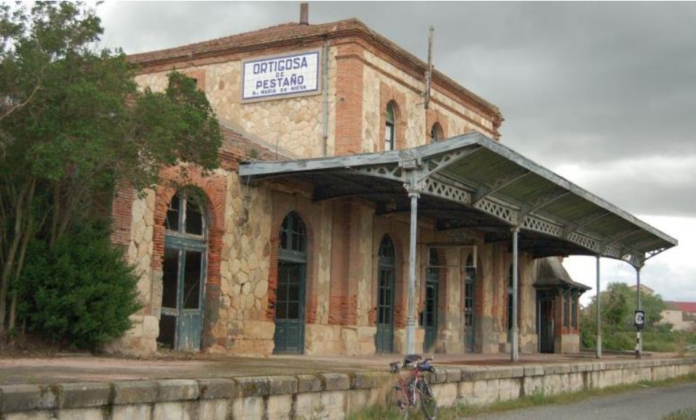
[390,128]
[293,235]
[386,250]
[433,265]
[436,132]
[185,215]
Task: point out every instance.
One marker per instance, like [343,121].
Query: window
[574,310]
[386,249]
[293,235]
[389,129]
[433,264]
[469,290]
[436,133]
[185,215]
[509,302]
[566,309]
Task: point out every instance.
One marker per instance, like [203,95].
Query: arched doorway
[432,281]
[290,290]
[183,273]
[469,304]
[384,338]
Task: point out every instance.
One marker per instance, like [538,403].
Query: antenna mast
[429,70]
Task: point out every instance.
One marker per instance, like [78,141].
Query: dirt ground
[62,367]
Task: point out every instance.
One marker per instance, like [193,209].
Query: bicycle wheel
[427,401]
[397,401]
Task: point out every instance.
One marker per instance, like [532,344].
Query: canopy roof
[472,181]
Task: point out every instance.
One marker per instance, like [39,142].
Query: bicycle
[412,390]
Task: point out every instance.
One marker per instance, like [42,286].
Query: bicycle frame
[410,392]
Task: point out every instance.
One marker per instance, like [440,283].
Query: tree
[618,303]
[73,124]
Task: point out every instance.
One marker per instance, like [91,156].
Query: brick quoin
[349,108]
[122,214]
[339,301]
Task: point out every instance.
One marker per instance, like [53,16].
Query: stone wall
[384,81]
[360,79]
[294,124]
[341,298]
[323,395]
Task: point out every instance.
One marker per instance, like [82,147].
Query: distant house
[682,315]
[645,289]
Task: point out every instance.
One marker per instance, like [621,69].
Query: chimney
[304,13]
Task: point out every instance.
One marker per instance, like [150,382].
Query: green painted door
[290,288]
[289,313]
[429,321]
[469,305]
[384,338]
[430,315]
[469,314]
[183,276]
[182,295]
[545,317]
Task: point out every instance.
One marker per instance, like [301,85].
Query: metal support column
[639,338]
[514,331]
[411,318]
[598,305]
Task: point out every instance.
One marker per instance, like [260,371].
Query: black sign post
[639,322]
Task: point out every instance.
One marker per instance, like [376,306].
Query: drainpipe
[598,352]
[639,338]
[325,82]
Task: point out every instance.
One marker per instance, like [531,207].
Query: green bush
[81,292]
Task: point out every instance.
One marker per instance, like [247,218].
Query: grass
[535,400]
[687,414]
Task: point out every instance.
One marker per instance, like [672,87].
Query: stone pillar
[411,316]
[515,331]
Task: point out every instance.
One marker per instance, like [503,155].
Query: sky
[604,94]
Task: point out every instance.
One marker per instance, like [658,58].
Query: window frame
[184,198]
[390,127]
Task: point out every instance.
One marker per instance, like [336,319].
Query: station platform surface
[62,368]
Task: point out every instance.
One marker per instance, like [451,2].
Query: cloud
[603,93]
[652,185]
[672,274]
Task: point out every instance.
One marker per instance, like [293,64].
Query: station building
[303,240]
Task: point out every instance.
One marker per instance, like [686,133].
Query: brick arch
[281,209]
[400,276]
[432,117]
[214,189]
[398,100]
